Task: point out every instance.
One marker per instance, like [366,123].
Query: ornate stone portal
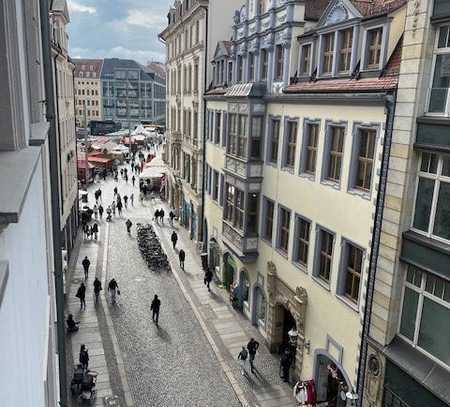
[282,297]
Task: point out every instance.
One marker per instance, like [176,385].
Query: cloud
[76,7]
[148,19]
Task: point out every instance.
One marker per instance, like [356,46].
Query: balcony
[245,247]
[242,168]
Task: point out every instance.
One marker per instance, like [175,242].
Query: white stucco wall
[24,314]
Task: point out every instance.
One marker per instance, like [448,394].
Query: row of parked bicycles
[150,248]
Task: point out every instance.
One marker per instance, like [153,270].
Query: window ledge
[16,172]
[4,272]
[281,252]
[271,164]
[360,193]
[322,283]
[309,177]
[266,241]
[348,302]
[302,267]
[290,170]
[332,184]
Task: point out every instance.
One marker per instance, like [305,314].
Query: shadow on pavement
[163,334]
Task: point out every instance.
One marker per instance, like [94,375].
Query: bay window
[432,209]
[237,137]
[255,145]
[234,206]
[252,214]
[438,98]
[425,307]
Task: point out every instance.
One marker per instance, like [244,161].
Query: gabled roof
[61,7]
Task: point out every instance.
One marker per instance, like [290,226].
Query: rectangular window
[305,62]
[230,72]
[291,144]
[366,151]
[222,190]
[217,128]
[264,64]
[352,269]
[215,191]
[279,62]
[335,153]
[432,209]
[255,145]
[311,142]
[252,214]
[427,296]
[302,232]
[283,229]
[251,67]
[274,140]
[240,68]
[374,38]
[345,50]
[234,206]
[269,211]
[237,144]
[328,50]
[326,241]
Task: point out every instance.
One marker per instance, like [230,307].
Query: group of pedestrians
[250,353]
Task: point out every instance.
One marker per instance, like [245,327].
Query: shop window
[426,303]
[255,142]
[432,211]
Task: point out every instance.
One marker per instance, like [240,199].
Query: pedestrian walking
[208,278]
[95,209]
[108,214]
[113,289]
[174,239]
[113,207]
[161,215]
[156,215]
[125,200]
[86,263]
[97,289]
[141,197]
[252,347]
[100,211]
[86,230]
[104,175]
[132,199]
[133,180]
[81,294]
[156,304]
[126,178]
[99,192]
[171,218]
[242,357]
[119,208]
[115,191]
[121,172]
[128,224]
[94,230]
[285,364]
[84,357]
[181,257]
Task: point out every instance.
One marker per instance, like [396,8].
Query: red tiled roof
[387,81]
[371,8]
[96,65]
[315,8]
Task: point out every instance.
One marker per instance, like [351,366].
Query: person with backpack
[128,224]
[252,347]
[174,239]
[86,263]
[181,257]
[242,357]
[97,289]
[81,294]
[156,304]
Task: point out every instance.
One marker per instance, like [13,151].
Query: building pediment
[337,12]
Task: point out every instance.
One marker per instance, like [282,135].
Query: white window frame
[422,294]
[438,178]
[384,44]
[436,52]
[300,58]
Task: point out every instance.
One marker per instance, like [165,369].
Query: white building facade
[27,293]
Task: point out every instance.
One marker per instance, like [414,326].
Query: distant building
[63,69]
[88,91]
[131,94]
[158,68]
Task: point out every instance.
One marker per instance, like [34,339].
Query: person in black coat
[208,278]
[285,364]
[86,263]
[84,357]
[174,239]
[81,294]
[182,256]
[156,304]
[252,347]
[97,289]
[72,325]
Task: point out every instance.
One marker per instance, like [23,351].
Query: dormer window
[345,50]
[279,62]
[328,48]
[374,39]
[264,64]
[305,60]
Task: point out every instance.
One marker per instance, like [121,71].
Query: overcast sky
[117,28]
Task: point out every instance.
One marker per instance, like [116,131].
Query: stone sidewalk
[229,329]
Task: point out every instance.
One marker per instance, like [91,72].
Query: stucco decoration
[338,14]
[243,14]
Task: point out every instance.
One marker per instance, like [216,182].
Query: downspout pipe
[378,222]
[205,79]
[55,204]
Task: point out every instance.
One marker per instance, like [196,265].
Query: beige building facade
[297,125]
[63,70]
[88,91]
